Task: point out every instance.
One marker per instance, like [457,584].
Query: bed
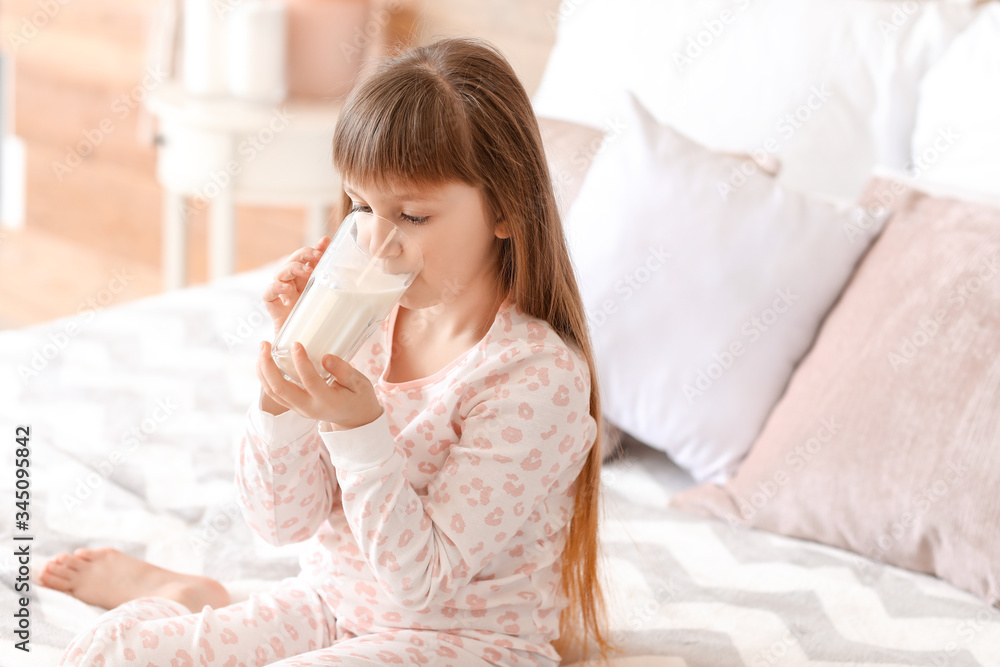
[134,424]
[135,410]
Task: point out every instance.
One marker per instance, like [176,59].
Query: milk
[335,314]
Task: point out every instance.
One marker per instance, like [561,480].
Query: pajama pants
[287,626]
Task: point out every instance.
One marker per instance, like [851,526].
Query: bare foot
[107,578]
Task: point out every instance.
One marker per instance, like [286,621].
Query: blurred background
[120,168]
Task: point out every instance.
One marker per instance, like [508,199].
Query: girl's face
[448,223]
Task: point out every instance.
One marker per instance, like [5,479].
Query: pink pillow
[886,441]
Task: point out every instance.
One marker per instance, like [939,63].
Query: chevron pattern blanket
[135,412]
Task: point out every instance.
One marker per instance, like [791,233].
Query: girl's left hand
[348,402]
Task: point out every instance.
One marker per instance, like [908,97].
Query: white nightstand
[224,151]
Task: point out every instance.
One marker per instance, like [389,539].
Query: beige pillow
[569,150]
[886,441]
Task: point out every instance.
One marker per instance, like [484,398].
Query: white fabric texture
[956,142]
[701,295]
[829,86]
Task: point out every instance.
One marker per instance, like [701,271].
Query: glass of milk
[369,264]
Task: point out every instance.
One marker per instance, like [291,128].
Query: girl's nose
[384,238]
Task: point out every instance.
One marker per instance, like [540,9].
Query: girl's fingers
[309,253]
[307,373]
[299,274]
[281,296]
[345,374]
[322,245]
[277,289]
[294,271]
[280,402]
[281,388]
[265,386]
[270,392]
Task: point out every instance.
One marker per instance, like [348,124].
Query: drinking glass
[368,266]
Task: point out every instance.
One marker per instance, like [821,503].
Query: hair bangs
[406,125]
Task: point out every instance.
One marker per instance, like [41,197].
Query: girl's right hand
[282,294]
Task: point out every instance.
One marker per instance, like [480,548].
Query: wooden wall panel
[75,73]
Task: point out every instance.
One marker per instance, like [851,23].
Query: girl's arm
[286,484]
[525,436]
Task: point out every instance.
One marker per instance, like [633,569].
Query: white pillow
[829,86]
[956,142]
[700,299]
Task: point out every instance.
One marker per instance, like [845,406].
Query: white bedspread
[135,415]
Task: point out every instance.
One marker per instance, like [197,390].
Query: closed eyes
[412,219]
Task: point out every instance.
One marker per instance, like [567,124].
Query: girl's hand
[281,295]
[348,402]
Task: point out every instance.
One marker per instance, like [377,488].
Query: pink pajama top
[450,511]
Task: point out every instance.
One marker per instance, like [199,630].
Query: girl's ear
[500,230]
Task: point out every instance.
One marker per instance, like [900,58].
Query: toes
[63,561]
[54,581]
[58,558]
[84,553]
[73,563]
[59,570]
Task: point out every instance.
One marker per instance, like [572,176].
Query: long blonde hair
[452,111]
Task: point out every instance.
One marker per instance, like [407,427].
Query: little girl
[447,479]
